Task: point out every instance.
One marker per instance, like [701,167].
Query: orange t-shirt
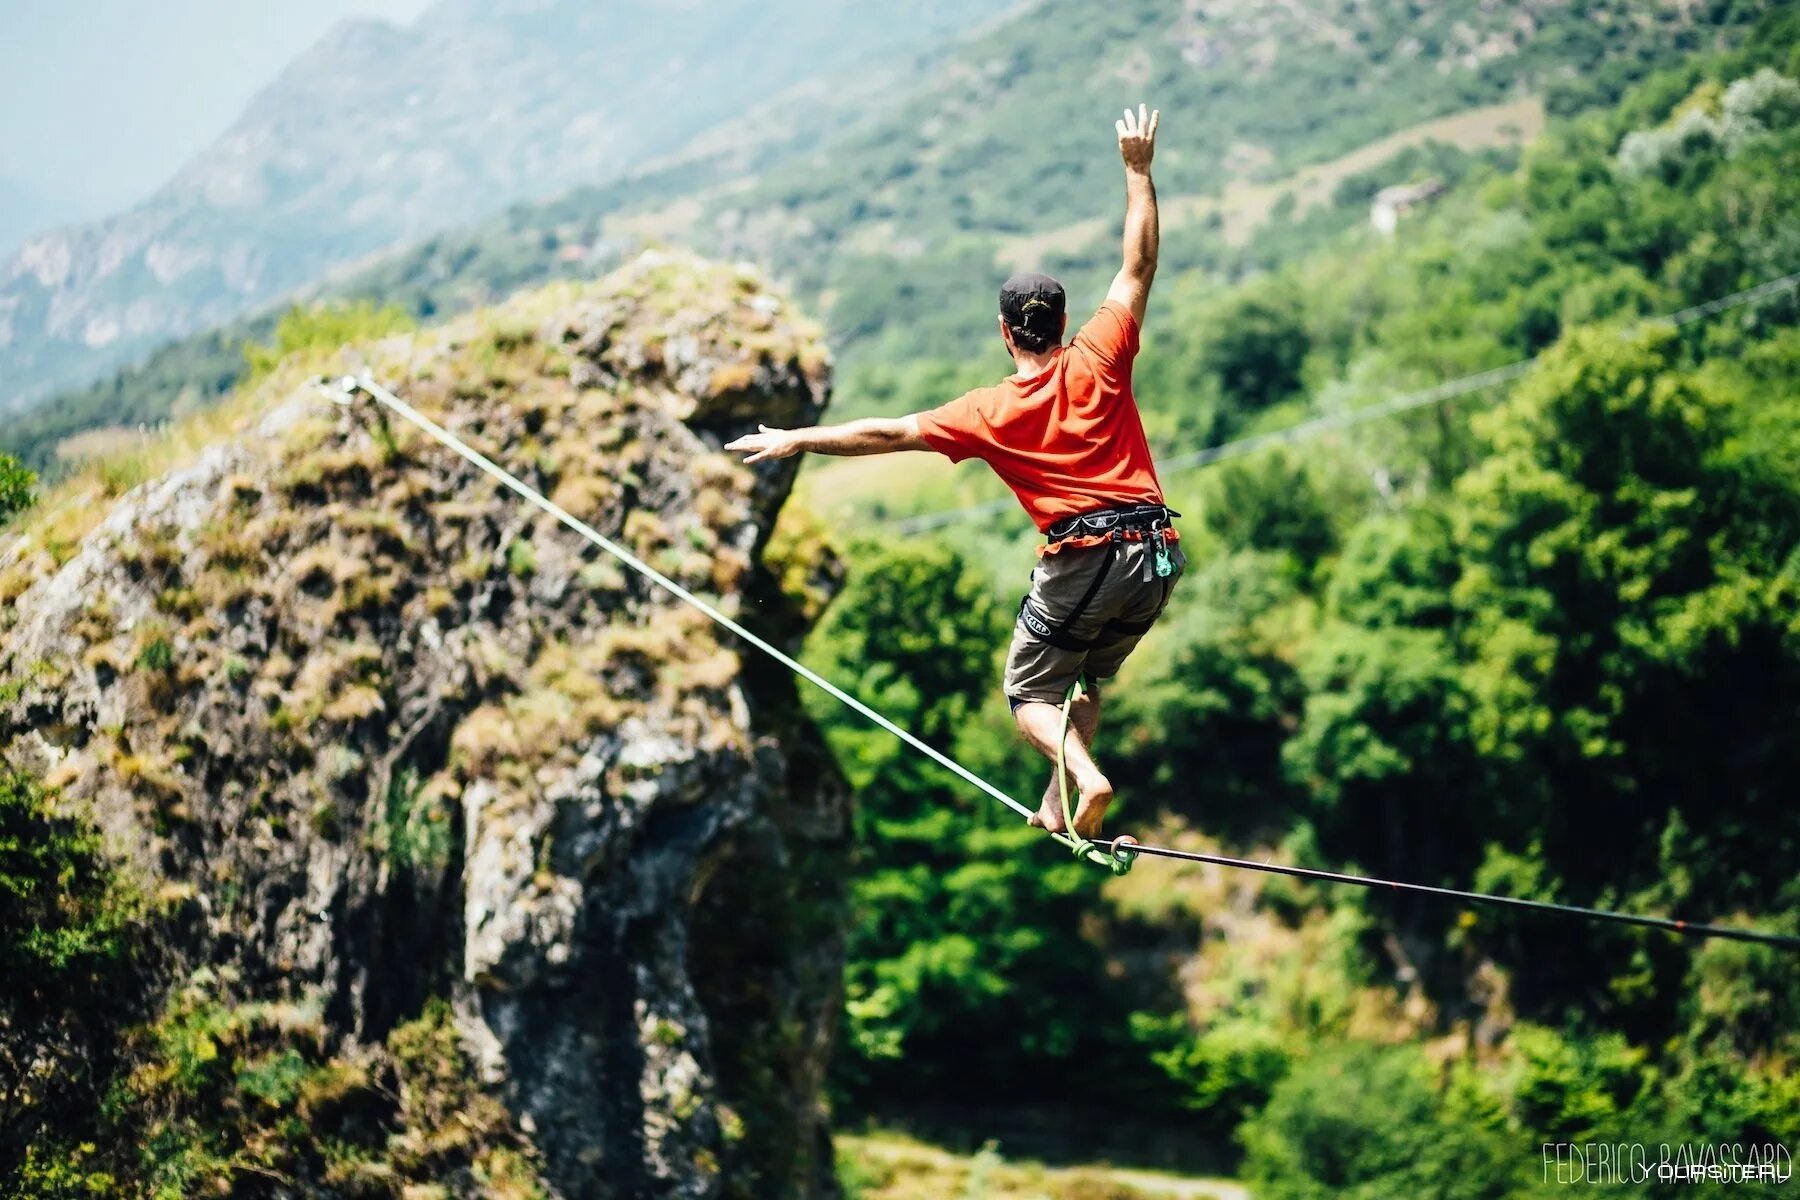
[1067,440]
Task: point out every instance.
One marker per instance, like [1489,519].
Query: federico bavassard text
[1666,1162]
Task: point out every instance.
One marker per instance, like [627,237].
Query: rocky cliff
[412,773]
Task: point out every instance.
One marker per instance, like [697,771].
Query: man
[1065,434]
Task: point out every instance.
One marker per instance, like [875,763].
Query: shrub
[64,915]
[16,484]
[1224,1073]
[312,331]
[71,947]
[1362,1122]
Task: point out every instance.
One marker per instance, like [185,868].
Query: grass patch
[157,654]
[888,1166]
[415,829]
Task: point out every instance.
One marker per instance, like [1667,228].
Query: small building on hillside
[1392,203]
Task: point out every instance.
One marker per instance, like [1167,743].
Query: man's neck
[1031,363]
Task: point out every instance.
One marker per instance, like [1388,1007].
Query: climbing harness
[1116,853]
[1146,518]
[1058,634]
[1146,522]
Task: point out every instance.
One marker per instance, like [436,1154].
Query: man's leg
[1042,724]
[1084,719]
[1039,674]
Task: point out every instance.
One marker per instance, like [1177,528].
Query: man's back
[1068,439]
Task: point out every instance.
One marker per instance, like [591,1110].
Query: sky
[101,100]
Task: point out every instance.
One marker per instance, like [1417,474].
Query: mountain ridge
[929,161]
[380,133]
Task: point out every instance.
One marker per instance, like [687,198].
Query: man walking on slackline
[1065,435]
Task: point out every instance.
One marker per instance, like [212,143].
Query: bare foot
[1050,810]
[1048,816]
[1096,798]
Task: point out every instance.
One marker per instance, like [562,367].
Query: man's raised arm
[1137,144]
[871,435]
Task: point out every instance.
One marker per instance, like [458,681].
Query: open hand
[766,443]
[1137,138]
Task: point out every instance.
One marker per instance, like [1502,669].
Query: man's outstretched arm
[872,435]
[1137,145]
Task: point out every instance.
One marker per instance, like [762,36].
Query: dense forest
[1541,640]
[1543,644]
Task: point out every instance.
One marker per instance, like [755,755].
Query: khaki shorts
[1131,594]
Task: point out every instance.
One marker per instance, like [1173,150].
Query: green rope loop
[1079,846]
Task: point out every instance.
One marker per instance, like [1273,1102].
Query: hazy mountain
[22,212]
[379,135]
[892,197]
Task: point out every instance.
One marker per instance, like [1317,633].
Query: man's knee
[1041,720]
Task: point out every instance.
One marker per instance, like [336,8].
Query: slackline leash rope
[1081,845]
[1118,856]
[1115,853]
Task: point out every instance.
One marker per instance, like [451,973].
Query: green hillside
[893,207]
[1539,641]
[1542,644]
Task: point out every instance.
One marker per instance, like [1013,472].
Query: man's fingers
[761,445]
[1139,124]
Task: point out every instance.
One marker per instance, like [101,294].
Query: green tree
[1272,501]
[1213,696]
[1633,656]
[963,943]
[1256,344]
[16,484]
[1383,750]
[68,947]
[1365,1123]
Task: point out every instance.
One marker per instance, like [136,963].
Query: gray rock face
[394,737]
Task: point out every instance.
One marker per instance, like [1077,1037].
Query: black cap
[1032,304]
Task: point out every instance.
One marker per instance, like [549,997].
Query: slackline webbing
[349,386]
[1672,924]
[1116,853]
